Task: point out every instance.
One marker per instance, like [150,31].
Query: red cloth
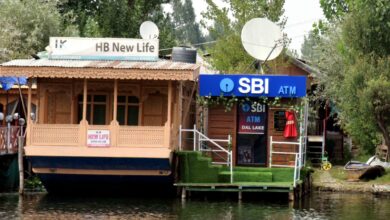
[290,130]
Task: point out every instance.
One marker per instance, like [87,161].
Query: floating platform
[197,173]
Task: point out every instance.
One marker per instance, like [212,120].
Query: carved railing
[54,134]
[76,135]
[142,136]
[13,141]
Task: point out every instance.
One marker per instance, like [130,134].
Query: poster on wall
[98,138]
[251,118]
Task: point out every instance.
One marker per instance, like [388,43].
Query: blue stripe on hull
[100,163]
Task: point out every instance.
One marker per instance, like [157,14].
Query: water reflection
[317,206]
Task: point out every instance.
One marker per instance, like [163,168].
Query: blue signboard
[252,85]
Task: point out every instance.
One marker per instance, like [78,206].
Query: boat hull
[102,174]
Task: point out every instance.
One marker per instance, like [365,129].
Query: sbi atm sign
[252,85]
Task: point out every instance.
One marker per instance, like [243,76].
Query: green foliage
[33,184]
[334,9]
[186,30]
[25,27]
[119,18]
[354,61]
[367,27]
[230,101]
[228,55]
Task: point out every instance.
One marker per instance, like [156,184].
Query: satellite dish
[259,37]
[149,30]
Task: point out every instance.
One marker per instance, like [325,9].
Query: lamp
[32,116]
[9,119]
[16,116]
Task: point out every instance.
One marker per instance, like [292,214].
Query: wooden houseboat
[105,124]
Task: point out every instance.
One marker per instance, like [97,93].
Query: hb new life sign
[252,85]
[75,48]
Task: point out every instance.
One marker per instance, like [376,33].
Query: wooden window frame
[127,104]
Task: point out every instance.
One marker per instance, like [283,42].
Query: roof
[303,65]
[45,68]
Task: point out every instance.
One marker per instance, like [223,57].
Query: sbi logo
[246,107]
[246,85]
[226,85]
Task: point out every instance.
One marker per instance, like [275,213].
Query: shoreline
[323,181]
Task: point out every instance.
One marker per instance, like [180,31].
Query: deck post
[20,164]
[114,125]
[167,138]
[84,122]
[114,114]
[291,196]
[239,195]
[28,116]
[270,152]
[194,137]
[183,193]
[85,100]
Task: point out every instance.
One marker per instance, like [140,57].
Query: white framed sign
[98,138]
[77,48]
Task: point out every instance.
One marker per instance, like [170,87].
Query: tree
[228,55]
[25,27]
[334,9]
[186,30]
[118,18]
[354,60]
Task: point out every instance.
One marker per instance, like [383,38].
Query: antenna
[149,30]
[261,39]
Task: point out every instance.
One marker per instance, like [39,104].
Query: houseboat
[105,118]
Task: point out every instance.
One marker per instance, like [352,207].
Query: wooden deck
[239,186]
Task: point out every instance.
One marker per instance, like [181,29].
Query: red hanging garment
[290,130]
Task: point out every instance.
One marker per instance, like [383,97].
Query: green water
[316,206]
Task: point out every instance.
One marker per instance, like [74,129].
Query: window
[128,110]
[96,109]
[279,120]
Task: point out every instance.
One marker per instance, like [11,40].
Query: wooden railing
[13,140]
[54,134]
[147,136]
[76,135]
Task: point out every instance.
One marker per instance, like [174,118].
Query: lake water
[316,206]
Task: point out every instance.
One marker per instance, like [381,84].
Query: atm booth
[263,114]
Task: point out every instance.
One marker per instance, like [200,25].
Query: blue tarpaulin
[8,82]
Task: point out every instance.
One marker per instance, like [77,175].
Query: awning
[8,82]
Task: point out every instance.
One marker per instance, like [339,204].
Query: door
[251,134]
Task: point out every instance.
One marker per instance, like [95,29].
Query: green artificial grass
[196,168]
[240,176]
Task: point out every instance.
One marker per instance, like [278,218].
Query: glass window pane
[99,114]
[89,113]
[99,98]
[133,99]
[121,114]
[121,99]
[132,115]
[279,120]
[81,97]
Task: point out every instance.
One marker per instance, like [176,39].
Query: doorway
[251,134]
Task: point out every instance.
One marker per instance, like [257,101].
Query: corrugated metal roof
[162,64]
